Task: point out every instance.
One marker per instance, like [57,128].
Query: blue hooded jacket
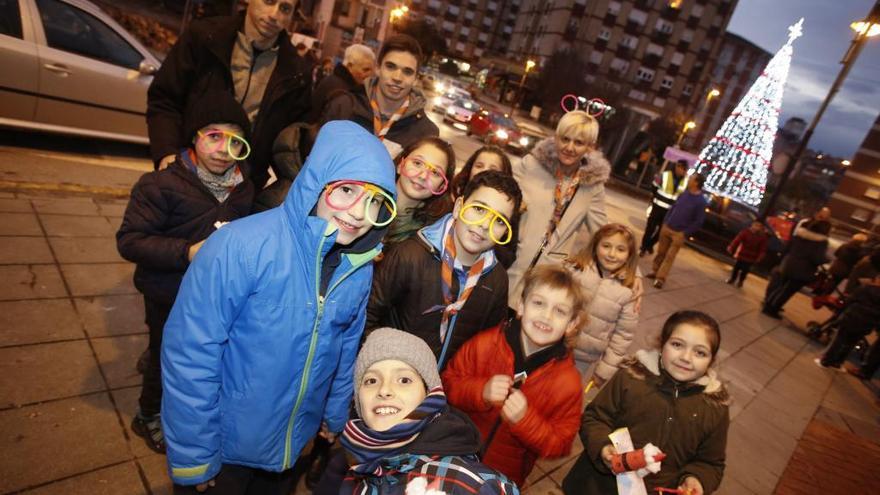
[257,351]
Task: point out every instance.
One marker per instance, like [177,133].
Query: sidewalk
[71,329]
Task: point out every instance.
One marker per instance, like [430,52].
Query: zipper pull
[676,391]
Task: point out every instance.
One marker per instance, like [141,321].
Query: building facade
[656,52]
[857,198]
[736,68]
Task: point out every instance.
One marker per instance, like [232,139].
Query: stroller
[826,294]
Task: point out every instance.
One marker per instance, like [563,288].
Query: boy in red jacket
[748,248]
[517,381]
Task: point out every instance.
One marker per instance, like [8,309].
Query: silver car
[69,68]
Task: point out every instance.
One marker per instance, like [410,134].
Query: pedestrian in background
[798,268]
[247,55]
[747,248]
[668,186]
[846,257]
[684,219]
[358,64]
[607,269]
[170,214]
[859,317]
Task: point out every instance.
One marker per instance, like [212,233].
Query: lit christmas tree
[736,161]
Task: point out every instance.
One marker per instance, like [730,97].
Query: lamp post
[530,64]
[864,29]
[687,126]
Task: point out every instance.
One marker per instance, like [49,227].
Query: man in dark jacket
[857,320]
[846,257]
[684,218]
[357,65]
[391,107]
[249,56]
[797,269]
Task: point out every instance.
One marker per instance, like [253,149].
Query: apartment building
[857,198]
[658,53]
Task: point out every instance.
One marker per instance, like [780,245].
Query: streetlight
[687,126]
[397,13]
[864,29]
[845,163]
[530,64]
[712,94]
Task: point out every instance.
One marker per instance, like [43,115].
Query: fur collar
[647,363]
[594,168]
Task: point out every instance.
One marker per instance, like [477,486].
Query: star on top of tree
[795,30]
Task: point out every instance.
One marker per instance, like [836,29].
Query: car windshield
[466,104]
[504,121]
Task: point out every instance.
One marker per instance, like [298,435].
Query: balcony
[672,70]
[624,52]
[600,44]
[660,38]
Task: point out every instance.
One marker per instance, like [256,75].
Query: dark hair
[464,175]
[696,318]
[436,206]
[502,183]
[557,277]
[683,163]
[401,43]
[701,179]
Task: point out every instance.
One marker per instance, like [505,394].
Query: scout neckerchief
[380,129]
[451,307]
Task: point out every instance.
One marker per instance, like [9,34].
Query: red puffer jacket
[553,392]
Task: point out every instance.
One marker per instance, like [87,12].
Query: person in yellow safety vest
[667,187]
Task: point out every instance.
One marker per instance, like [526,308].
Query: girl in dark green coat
[669,397]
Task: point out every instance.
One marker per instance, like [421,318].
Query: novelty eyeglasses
[435,180]
[236,146]
[344,194]
[500,230]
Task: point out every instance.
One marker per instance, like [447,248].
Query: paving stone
[115,480]
[24,224]
[730,486]
[112,209]
[776,444]
[748,371]
[29,322]
[156,470]
[118,356]
[6,195]
[65,206]
[30,282]
[126,400]
[115,223]
[561,472]
[25,250]
[789,421]
[15,205]
[848,390]
[47,371]
[770,352]
[112,315]
[77,226]
[535,476]
[744,463]
[546,486]
[99,280]
[63,438]
[85,249]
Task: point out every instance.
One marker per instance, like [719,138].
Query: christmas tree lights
[737,160]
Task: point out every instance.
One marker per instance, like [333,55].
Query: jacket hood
[647,363]
[342,151]
[451,433]
[433,236]
[594,167]
[416,98]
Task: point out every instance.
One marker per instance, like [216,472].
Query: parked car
[69,68]
[497,128]
[724,220]
[459,113]
[442,101]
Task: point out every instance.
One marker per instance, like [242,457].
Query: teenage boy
[250,57]
[445,284]
[391,107]
[260,344]
[518,381]
[170,214]
[684,219]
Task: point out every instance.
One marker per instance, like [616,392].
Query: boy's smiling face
[212,146]
[547,315]
[352,223]
[388,392]
[473,240]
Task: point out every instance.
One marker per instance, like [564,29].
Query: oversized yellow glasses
[500,230]
[344,194]
[236,146]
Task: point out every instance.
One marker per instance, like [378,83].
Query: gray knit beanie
[390,343]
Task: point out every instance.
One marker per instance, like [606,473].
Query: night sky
[815,65]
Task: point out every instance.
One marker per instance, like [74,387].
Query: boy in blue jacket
[260,345]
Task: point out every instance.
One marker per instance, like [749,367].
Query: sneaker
[150,429]
[819,363]
[658,284]
[651,275]
[739,285]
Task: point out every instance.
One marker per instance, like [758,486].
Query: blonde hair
[588,256]
[557,277]
[578,124]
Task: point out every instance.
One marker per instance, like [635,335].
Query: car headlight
[439,86]
[523,141]
[450,111]
[502,134]
[438,100]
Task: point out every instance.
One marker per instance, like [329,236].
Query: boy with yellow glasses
[445,284]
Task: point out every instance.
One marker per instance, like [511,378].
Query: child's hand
[326,434]
[496,389]
[608,451]
[165,162]
[195,249]
[692,486]
[515,407]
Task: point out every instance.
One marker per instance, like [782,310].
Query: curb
[52,188]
